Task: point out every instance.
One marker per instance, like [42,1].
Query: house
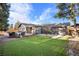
[57,29]
[29,28]
[54,29]
[24,29]
[77,26]
[72,30]
[49,28]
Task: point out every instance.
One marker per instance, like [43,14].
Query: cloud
[44,17]
[20,12]
[45,14]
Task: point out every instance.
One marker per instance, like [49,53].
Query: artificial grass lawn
[35,46]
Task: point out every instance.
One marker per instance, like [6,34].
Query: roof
[53,26]
[30,25]
[45,25]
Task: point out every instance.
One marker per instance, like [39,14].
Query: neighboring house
[3,33]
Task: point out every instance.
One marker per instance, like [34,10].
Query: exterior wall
[61,31]
[38,30]
[44,30]
[55,31]
[30,29]
[33,29]
[22,28]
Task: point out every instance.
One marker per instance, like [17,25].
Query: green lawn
[35,46]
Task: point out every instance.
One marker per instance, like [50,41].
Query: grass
[35,46]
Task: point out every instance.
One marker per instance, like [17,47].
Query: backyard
[35,46]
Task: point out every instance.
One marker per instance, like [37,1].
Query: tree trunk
[75,28]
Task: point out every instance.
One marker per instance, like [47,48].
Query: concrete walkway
[4,39]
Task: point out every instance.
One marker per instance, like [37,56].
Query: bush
[49,31]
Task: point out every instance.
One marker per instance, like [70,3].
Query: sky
[34,13]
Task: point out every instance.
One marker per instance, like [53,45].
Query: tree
[68,11]
[4,14]
[17,25]
[11,26]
